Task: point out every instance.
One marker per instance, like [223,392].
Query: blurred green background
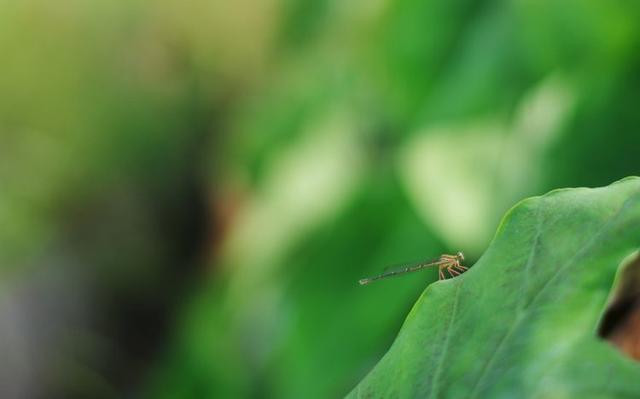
[189,191]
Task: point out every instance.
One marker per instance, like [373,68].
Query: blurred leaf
[352,321]
[522,322]
[302,21]
[285,323]
[590,151]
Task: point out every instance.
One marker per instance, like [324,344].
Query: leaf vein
[532,253]
[445,345]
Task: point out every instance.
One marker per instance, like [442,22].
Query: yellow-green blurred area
[190,191]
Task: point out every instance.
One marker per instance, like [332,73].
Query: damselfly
[449,263]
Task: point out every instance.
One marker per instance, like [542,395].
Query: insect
[449,263]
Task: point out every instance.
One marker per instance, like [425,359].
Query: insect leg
[460,268]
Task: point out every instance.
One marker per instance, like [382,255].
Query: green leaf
[522,322]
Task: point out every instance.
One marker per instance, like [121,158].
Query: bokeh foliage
[331,138]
